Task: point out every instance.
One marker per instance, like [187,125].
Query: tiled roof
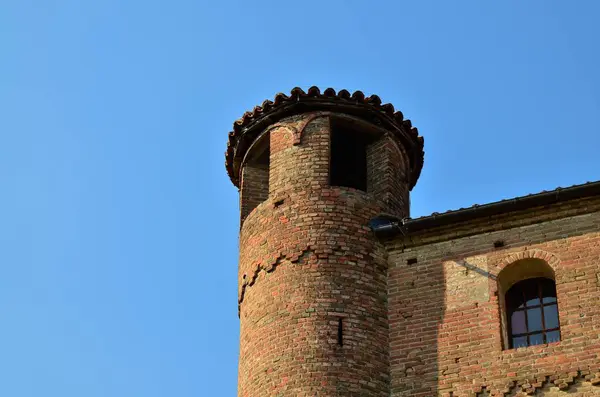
[545,197]
[249,126]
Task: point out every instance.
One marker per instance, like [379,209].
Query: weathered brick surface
[307,259]
[421,312]
[387,175]
[254,188]
[445,330]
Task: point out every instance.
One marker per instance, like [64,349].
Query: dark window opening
[532,313]
[340,332]
[262,158]
[348,165]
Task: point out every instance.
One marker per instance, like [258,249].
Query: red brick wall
[307,259]
[254,189]
[445,330]
[421,313]
[387,176]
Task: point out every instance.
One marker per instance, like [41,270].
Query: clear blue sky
[118,236]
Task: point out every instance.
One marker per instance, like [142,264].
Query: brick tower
[313,170]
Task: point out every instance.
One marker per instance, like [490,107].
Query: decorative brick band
[539,386]
[268,266]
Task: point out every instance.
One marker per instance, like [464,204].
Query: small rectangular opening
[499,244]
[348,158]
[411,261]
[340,332]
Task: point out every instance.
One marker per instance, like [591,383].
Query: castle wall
[327,309]
[312,277]
[445,323]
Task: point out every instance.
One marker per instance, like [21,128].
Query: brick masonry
[309,259]
[255,188]
[445,323]
[328,309]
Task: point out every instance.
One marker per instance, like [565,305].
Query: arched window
[532,312]
[528,303]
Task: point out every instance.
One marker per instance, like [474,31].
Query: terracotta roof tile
[247,128]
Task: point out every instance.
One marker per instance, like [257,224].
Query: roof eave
[585,190]
[357,104]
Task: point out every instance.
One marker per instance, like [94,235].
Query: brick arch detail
[298,129]
[551,259]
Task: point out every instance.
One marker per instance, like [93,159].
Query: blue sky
[118,244]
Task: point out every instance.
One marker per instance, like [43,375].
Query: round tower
[313,169]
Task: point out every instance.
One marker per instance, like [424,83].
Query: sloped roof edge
[560,194]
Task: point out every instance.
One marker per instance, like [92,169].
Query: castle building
[342,293]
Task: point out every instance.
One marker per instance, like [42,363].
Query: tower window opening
[532,312]
[348,159]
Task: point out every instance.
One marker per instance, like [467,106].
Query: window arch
[532,312]
[528,303]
